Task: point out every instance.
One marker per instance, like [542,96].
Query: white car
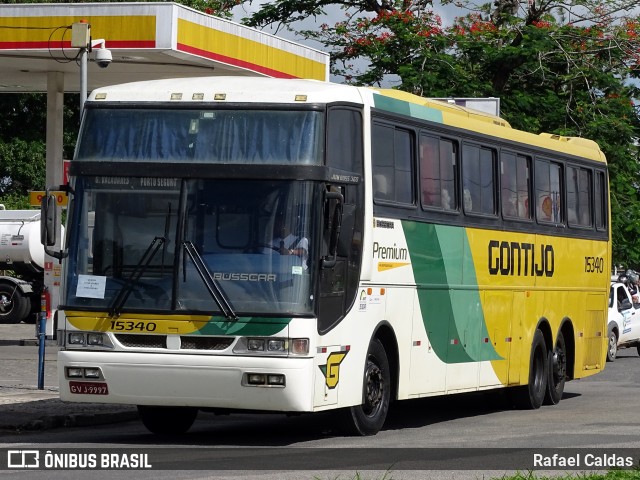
[624,321]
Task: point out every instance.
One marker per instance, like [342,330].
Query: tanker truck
[21,265]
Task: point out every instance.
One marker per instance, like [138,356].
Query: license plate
[89,388]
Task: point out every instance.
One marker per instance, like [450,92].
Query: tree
[558,67]
[22,150]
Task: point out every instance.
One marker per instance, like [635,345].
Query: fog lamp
[92,373]
[74,372]
[256,379]
[275,379]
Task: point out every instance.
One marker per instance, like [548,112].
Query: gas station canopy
[147,41]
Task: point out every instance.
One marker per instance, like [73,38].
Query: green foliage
[23,166]
[561,68]
[558,67]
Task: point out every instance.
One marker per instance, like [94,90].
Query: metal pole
[42,334]
[83,78]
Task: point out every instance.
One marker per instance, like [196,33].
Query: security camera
[103,57]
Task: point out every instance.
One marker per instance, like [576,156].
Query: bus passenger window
[579,196]
[548,191]
[392,155]
[514,180]
[430,171]
[600,201]
[437,173]
[478,174]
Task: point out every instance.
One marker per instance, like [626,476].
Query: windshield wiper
[123,294]
[212,286]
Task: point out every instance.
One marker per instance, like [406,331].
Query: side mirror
[49,225]
[48,220]
[336,224]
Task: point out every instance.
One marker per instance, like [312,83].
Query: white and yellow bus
[429,250]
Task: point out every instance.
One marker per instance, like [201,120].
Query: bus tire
[13,305]
[369,417]
[557,365]
[167,420]
[531,396]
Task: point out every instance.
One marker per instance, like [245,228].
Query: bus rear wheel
[369,417]
[557,365]
[531,396]
[167,420]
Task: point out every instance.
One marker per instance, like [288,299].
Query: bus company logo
[331,370]
[521,259]
[23,459]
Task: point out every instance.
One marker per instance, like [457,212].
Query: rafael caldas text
[605,460]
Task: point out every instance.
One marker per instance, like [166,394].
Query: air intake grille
[142,341]
[205,343]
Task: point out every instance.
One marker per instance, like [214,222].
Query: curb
[73,420]
[28,342]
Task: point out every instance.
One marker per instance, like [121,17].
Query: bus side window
[579,194]
[548,191]
[392,155]
[438,175]
[478,175]
[514,181]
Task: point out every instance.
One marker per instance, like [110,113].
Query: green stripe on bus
[452,315]
[257,326]
[405,108]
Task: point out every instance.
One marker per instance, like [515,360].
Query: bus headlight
[272,346]
[88,339]
[95,339]
[76,338]
[276,345]
[255,344]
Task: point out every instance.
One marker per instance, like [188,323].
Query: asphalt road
[477,431]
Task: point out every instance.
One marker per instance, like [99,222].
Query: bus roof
[485,123]
[273,90]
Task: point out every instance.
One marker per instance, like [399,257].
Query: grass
[611,475]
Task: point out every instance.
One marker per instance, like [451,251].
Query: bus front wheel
[368,418]
[167,420]
[532,395]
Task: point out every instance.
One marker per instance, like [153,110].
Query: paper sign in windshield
[91,286]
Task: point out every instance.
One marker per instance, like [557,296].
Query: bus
[431,250]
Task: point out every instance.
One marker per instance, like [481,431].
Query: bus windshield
[158,244]
[197,136]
